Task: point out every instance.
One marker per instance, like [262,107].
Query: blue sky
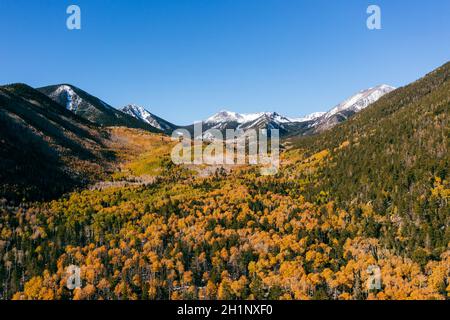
[186,59]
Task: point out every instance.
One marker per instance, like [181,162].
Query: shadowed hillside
[45,150]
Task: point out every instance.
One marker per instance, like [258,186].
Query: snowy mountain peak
[225,116]
[315,122]
[71,98]
[142,114]
[136,111]
[230,116]
[275,117]
[361,100]
[310,117]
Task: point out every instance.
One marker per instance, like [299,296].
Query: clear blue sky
[186,59]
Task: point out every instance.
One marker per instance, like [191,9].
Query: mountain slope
[349,107]
[92,108]
[45,150]
[142,114]
[394,157]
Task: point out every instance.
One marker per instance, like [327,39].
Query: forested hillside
[396,157]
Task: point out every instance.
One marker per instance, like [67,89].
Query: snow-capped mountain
[141,113]
[225,118]
[309,124]
[230,116]
[92,108]
[99,112]
[267,120]
[310,117]
[349,107]
[73,98]
[68,95]
[361,100]
[261,120]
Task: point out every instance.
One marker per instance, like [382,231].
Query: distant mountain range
[100,113]
[310,124]
[56,132]
[349,107]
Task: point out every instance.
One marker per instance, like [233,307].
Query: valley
[372,190]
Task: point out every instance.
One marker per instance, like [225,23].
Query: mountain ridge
[92,108]
[141,113]
[135,116]
[310,124]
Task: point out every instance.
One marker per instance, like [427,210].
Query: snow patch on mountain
[361,100]
[317,121]
[230,116]
[73,100]
[310,117]
[242,118]
[141,113]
